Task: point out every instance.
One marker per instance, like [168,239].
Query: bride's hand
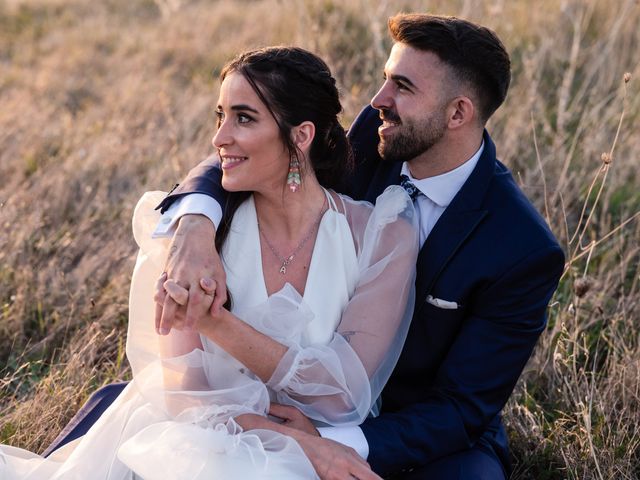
[161,298]
[252,421]
[170,288]
[192,254]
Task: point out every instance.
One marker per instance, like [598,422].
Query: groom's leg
[87,415]
[473,464]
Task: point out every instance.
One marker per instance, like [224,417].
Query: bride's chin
[229,185]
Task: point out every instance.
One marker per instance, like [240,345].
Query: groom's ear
[460,111]
[303,134]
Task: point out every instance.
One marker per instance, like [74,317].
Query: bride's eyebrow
[244,107]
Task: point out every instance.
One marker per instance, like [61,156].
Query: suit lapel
[387,174]
[444,241]
[456,223]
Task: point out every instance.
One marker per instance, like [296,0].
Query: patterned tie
[410,188]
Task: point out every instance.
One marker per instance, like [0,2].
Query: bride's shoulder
[390,203]
[393,209]
[348,206]
[357,212]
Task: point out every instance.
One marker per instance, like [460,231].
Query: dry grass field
[100,101]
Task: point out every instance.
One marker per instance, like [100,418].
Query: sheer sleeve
[144,345]
[338,383]
[173,372]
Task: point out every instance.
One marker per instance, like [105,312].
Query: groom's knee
[473,464]
[86,416]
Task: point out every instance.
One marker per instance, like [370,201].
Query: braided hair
[296,86]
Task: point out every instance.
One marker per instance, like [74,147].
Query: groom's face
[412,103]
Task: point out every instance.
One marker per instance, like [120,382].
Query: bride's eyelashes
[241,117]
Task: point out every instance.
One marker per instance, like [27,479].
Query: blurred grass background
[100,101]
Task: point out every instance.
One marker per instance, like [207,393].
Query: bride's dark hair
[296,86]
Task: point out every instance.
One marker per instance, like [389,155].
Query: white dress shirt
[194,204]
[438,192]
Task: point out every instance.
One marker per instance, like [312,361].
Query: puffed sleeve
[144,345]
[338,383]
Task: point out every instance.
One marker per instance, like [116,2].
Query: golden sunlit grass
[101,101]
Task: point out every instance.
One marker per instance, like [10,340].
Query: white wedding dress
[175,418]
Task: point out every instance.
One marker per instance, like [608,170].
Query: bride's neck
[290,213]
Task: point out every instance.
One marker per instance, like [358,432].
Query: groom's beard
[412,138]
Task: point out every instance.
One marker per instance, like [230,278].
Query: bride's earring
[301,136]
[293,177]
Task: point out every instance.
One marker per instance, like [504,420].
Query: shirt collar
[442,188]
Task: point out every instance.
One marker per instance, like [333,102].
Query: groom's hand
[192,256]
[331,460]
[292,417]
[334,461]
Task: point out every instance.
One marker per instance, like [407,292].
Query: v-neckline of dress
[313,261]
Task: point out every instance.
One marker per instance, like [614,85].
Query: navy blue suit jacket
[492,254]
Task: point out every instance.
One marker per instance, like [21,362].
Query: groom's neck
[454,149]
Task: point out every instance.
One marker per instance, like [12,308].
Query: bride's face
[254,158]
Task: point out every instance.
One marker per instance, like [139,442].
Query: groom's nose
[383,99]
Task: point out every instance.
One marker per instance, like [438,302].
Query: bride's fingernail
[164,331]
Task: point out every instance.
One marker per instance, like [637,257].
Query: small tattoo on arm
[347,335]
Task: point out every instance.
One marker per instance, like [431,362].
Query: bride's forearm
[264,356]
[260,353]
[177,375]
[179,342]
[272,361]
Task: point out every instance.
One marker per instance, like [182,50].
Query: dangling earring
[293,177]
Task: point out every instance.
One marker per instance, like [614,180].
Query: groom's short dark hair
[474,53]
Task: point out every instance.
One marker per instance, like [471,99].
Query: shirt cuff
[349,436]
[193,204]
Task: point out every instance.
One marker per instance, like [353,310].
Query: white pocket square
[444,304]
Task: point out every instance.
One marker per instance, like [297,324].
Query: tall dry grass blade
[542,175]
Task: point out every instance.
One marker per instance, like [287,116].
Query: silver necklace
[285,261]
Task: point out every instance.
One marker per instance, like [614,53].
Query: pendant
[285,263]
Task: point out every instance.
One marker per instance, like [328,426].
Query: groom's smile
[390,119]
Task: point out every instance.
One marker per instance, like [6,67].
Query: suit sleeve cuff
[193,204]
[349,436]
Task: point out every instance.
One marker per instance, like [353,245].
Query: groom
[486,270]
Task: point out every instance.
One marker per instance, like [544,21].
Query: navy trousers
[474,464]
[87,415]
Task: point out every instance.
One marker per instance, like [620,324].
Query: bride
[319,283]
